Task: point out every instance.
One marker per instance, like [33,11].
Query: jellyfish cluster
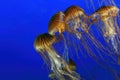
[75,28]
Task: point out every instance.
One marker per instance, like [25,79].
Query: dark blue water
[20,22]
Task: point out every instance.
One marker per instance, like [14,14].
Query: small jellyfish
[43,44]
[107,14]
[57,25]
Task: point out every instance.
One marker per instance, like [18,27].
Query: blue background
[20,22]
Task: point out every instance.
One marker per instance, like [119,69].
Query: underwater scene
[60,40]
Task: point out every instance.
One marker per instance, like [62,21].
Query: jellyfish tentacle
[114,43]
[110,31]
[65,53]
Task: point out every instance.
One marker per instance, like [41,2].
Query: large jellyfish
[58,65]
[109,28]
[57,25]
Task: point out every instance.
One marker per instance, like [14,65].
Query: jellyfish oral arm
[110,31]
[56,60]
[58,65]
[65,53]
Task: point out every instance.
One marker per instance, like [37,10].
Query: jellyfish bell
[113,12]
[73,12]
[43,43]
[56,23]
[105,12]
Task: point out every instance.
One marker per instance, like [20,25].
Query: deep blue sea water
[20,22]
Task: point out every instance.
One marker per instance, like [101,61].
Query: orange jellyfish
[110,28]
[106,20]
[57,25]
[75,23]
[75,18]
[43,44]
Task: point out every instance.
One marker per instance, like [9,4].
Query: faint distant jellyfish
[43,44]
[57,24]
[110,30]
[75,20]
